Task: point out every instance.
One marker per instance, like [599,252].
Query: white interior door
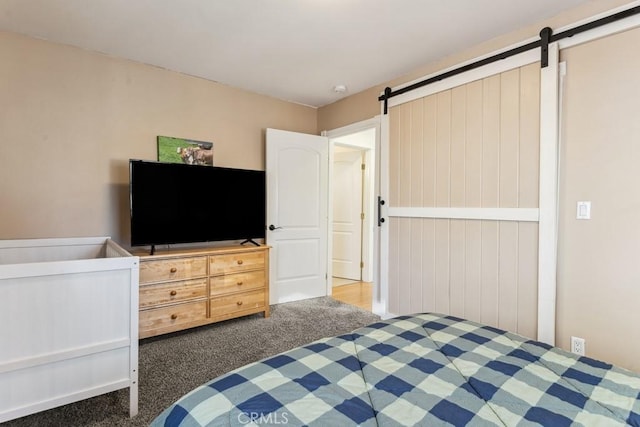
[347,214]
[297,210]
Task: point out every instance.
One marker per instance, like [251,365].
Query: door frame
[370,234]
[356,159]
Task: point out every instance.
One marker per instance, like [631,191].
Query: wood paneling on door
[474,146]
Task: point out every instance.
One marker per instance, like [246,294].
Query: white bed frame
[68,323]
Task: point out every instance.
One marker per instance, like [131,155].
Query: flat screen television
[174,203]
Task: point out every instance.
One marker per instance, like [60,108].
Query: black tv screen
[179,203]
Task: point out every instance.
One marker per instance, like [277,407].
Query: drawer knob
[239,262]
[239,303]
[239,283]
[174,316]
[173,293]
[173,270]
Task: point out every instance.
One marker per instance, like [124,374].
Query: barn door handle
[273,227]
[380,205]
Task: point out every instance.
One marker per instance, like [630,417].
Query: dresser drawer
[237,282]
[223,306]
[170,292]
[172,318]
[230,263]
[190,287]
[173,269]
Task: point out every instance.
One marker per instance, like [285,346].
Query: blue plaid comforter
[424,370]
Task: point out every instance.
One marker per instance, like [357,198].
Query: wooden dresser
[181,289]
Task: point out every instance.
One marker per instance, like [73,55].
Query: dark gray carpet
[174,364]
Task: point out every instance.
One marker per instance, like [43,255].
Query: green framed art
[188,151]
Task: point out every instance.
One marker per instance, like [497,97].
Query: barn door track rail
[546,37]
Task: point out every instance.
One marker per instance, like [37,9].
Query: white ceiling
[295,50]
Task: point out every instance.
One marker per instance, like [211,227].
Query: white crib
[68,323]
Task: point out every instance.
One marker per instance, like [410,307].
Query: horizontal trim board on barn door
[494,214]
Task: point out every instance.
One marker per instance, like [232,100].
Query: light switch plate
[583,210]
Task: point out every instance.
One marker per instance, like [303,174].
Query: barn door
[463,186]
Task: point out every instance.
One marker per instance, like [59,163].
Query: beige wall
[70,120]
[365,105]
[598,271]
[598,268]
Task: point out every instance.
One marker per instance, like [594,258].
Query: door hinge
[361,264]
[362,215]
[363,166]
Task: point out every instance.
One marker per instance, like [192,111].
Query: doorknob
[273,227]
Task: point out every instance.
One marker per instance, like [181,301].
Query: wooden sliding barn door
[463,176]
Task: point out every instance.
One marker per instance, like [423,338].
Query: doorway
[348,214]
[297,265]
[352,210]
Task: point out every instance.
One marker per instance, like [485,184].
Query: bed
[69,316]
[427,370]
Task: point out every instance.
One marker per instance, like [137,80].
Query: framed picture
[180,150]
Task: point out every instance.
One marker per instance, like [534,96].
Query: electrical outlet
[577,346]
